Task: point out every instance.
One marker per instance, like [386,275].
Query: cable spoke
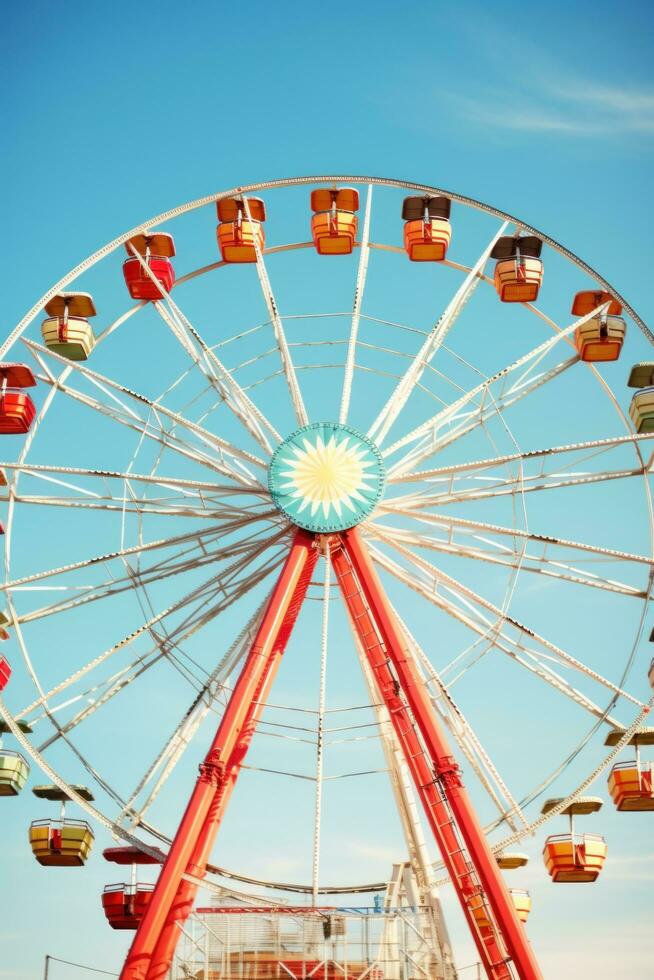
[463,733]
[184,732]
[278,328]
[130,638]
[320,732]
[202,537]
[155,573]
[389,413]
[356,310]
[222,588]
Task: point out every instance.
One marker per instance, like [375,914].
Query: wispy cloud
[534,93]
[576,109]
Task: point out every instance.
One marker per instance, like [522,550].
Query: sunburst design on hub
[326,477]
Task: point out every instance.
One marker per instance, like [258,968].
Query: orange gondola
[602,336]
[155,250]
[574,857]
[521,902]
[631,784]
[427,228]
[589,299]
[240,231]
[518,270]
[334,222]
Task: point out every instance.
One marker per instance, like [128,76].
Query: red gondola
[5,672]
[17,410]
[125,904]
[156,250]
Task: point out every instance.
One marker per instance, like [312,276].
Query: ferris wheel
[387,427]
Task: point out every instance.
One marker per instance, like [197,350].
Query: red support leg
[206,806]
[164,950]
[488,944]
[448,781]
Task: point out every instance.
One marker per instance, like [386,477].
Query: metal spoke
[496,634]
[497,554]
[389,413]
[223,382]
[531,360]
[184,485]
[228,453]
[356,311]
[452,469]
[447,520]
[278,328]
[157,506]
[510,486]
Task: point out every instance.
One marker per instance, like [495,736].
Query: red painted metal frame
[502,943]
[201,820]
[475,874]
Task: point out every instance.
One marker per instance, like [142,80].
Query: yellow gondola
[14,767]
[67,330]
[61,843]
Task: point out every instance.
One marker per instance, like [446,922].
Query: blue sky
[111,115]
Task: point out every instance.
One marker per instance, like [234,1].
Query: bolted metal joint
[212,770]
[447,771]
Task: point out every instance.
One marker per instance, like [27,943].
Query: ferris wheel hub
[326,477]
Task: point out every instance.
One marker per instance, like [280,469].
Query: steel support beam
[191,846]
[447,805]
